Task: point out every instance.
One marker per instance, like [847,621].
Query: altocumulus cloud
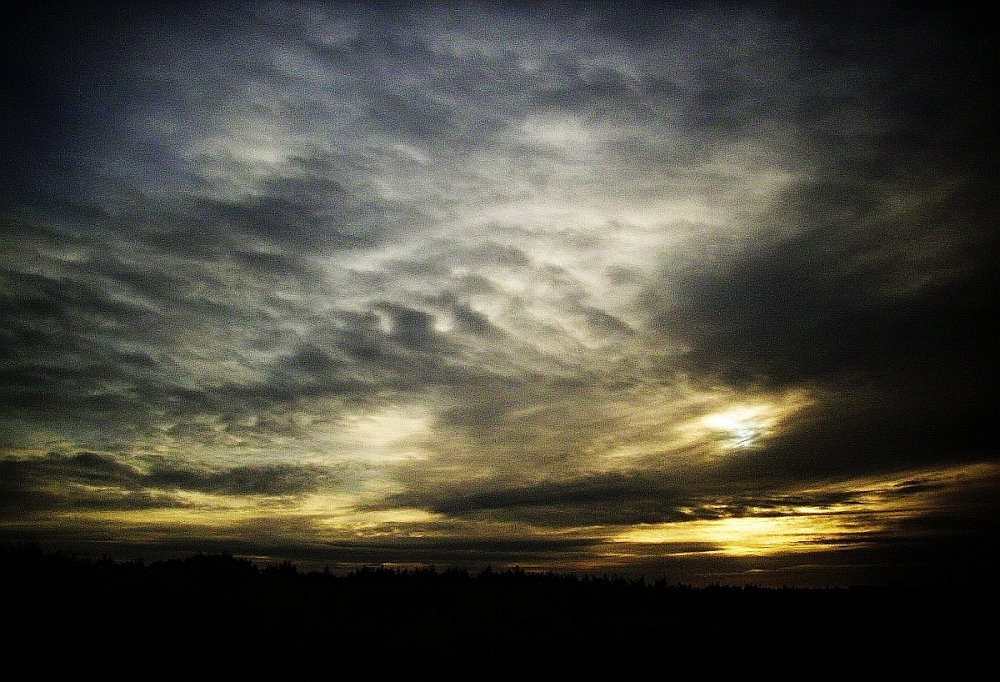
[689,290]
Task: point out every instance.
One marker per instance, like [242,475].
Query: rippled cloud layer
[693,291]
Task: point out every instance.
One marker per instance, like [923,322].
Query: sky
[700,291]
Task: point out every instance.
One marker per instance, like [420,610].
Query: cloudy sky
[706,292]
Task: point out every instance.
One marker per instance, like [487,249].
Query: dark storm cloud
[924,421]
[809,308]
[919,131]
[473,554]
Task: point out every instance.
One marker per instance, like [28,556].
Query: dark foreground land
[223,617]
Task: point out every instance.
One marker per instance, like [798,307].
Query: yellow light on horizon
[749,535]
[878,503]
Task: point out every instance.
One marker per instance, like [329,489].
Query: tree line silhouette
[225,614]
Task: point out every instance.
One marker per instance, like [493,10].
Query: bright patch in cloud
[741,427]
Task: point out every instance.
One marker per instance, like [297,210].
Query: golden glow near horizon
[876,505]
[870,505]
[750,535]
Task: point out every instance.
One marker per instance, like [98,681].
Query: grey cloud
[606,323]
[89,467]
[473,321]
[300,216]
[869,430]
[877,260]
[607,499]
[58,350]
[81,345]
[411,328]
[296,216]
[97,481]
[491,253]
[306,212]
[390,347]
[594,489]
[484,405]
[278,265]
[316,370]
[468,319]
[98,326]
[653,497]
[626,499]
[273,479]
[65,482]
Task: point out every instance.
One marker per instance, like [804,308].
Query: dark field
[220,616]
